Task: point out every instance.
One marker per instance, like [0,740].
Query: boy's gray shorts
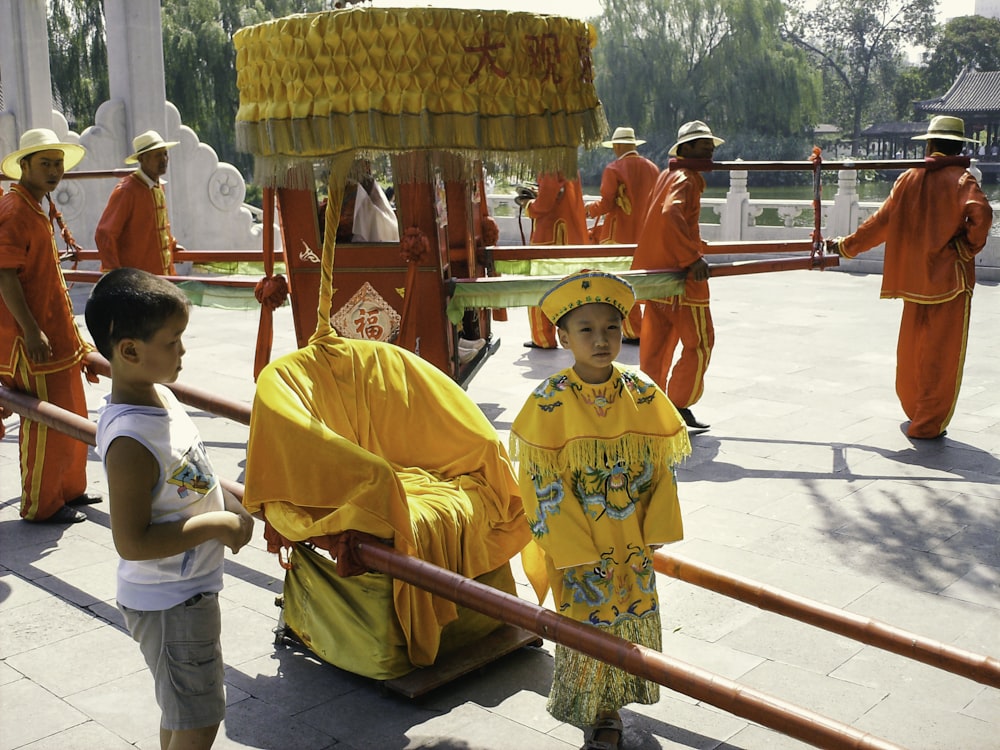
[181,647]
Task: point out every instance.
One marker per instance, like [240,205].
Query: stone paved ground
[804,482]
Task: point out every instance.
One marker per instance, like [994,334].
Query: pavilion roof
[974,92]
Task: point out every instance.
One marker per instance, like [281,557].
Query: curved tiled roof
[974,92]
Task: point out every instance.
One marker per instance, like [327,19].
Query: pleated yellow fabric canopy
[515,89]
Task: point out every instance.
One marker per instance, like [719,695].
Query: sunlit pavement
[805,482]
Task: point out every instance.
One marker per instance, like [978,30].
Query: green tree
[964,42]
[858,45]
[662,62]
[78,59]
[200,62]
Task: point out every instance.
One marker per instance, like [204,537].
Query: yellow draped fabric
[513,88]
[349,434]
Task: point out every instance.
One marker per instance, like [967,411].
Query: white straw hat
[148,141]
[693,131]
[41,139]
[623,135]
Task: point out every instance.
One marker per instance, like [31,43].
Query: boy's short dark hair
[128,303]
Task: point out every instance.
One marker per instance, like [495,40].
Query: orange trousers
[930,357]
[632,325]
[543,331]
[664,325]
[53,465]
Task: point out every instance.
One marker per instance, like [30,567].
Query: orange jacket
[557,214]
[626,187]
[933,223]
[28,245]
[128,235]
[670,237]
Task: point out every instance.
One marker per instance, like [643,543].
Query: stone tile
[930,728]
[920,684]
[81,737]
[471,726]
[728,527]
[256,724]
[677,724]
[293,679]
[71,553]
[49,715]
[8,674]
[97,656]
[760,738]
[776,638]
[42,623]
[720,657]
[985,706]
[15,591]
[836,699]
[246,634]
[919,612]
[126,706]
[86,585]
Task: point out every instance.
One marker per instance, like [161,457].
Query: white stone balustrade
[737,220]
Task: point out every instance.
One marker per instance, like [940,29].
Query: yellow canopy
[512,88]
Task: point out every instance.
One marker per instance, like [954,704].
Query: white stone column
[734,217]
[24,67]
[135,64]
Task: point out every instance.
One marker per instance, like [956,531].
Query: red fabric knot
[491,231]
[271,291]
[414,245]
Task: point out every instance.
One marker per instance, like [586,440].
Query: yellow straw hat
[945,128]
[585,288]
[148,141]
[41,139]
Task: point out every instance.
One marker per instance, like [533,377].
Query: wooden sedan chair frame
[441,92]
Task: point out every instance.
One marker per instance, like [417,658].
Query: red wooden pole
[984,669]
[728,695]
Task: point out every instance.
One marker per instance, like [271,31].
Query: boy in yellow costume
[597,446]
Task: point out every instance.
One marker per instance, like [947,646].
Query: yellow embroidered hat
[584,288]
[41,139]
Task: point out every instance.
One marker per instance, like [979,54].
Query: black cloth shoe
[65,515]
[634,341]
[533,345]
[690,420]
[85,499]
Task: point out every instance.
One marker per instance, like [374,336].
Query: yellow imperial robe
[366,436]
[597,477]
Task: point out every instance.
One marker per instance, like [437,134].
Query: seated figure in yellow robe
[359,435]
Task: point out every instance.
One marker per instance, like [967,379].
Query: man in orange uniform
[41,351]
[933,223]
[134,229]
[670,238]
[557,218]
[626,187]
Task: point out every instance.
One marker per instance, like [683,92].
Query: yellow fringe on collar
[631,448]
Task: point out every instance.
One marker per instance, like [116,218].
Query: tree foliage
[964,42]
[78,58]
[200,62]
[663,62]
[858,44]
